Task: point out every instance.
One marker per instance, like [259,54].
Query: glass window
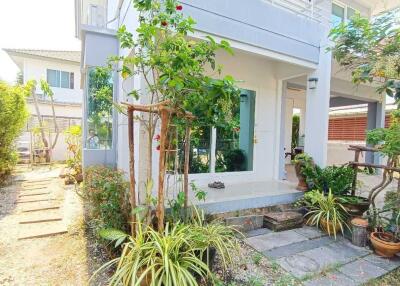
[99,110]
[337,14]
[350,13]
[200,150]
[64,79]
[234,144]
[53,78]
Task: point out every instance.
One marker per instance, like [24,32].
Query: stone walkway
[318,260]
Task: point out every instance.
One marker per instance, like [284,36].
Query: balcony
[290,27]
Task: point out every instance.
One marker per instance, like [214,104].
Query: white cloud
[38,24]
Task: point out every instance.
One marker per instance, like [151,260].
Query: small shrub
[13,116]
[73,136]
[106,191]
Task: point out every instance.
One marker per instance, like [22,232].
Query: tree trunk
[186,167]
[161,170]
[131,135]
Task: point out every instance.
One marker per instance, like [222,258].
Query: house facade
[282,64]
[61,69]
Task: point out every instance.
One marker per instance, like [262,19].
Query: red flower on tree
[158,148]
[157,137]
[164,23]
[179,7]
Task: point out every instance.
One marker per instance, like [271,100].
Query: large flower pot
[324,225]
[383,244]
[302,185]
[357,209]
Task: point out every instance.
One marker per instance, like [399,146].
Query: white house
[282,62]
[61,69]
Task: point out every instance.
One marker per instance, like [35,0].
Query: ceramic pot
[324,225]
[383,244]
[302,185]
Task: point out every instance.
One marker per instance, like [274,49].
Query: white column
[317,106]
[302,126]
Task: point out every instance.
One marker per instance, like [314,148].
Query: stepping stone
[310,232]
[313,261]
[40,220]
[297,247]
[331,279]
[33,200]
[34,188]
[279,221]
[388,264]
[274,240]
[33,194]
[361,271]
[41,208]
[257,232]
[44,233]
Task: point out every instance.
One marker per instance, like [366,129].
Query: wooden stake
[161,169]
[131,135]
[186,167]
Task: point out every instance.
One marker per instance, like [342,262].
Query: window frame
[345,7]
[70,77]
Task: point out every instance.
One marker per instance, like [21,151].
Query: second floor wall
[64,78]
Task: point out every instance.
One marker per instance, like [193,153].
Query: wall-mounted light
[312,82]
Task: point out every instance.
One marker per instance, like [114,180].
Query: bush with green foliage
[106,192]
[73,138]
[13,116]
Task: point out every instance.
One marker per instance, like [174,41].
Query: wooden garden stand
[165,112]
[387,176]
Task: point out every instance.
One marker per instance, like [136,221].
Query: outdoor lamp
[312,82]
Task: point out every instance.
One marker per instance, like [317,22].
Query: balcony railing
[311,9]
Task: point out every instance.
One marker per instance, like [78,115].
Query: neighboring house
[280,58]
[61,69]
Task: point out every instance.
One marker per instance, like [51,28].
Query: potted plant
[327,212]
[386,237]
[302,163]
[354,205]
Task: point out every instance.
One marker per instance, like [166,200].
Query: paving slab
[361,271]
[41,208]
[310,232]
[257,232]
[274,239]
[315,260]
[297,247]
[44,229]
[388,264]
[331,279]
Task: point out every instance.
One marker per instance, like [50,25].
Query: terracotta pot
[383,244]
[302,185]
[324,225]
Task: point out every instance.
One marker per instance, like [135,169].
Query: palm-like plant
[328,212]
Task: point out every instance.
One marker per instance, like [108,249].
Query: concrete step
[43,229]
[39,206]
[44,198]
[33,194]
[40,220]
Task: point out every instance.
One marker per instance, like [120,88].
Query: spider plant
[153,258]
[328,212]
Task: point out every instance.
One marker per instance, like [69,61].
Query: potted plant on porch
[302,163]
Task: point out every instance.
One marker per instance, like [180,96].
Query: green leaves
[370,49]
[113,235]
[125,38]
